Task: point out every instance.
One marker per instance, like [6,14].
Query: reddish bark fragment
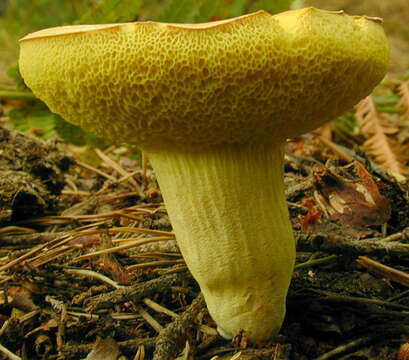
[314,213]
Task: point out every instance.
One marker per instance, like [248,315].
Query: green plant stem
[390,109]
[16,95]
[318,262]
[7,87]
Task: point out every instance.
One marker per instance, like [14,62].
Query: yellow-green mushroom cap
[247,79]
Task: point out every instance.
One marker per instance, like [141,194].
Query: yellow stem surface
[229,213]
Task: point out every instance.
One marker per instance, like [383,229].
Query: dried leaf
[358,204]
[104,349]
[378,144]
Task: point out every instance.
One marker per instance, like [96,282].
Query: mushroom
[212,105]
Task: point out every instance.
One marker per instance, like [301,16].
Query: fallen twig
[344,299]
[395,275]
[274,352]
[345,348]
[130,244]
[133,293]
[29,239]
[330,242]
[95,170]
[94,275]
[75,351]
[159,308]
[8,353]
[149,319]
[121,171]
[336,149]
[155,263]
[169,339]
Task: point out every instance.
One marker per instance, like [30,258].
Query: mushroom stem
[229,213]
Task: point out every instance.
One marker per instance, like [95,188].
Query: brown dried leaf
[358,204]
[378,144]
[104,349]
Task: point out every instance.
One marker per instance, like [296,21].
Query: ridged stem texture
[229,213]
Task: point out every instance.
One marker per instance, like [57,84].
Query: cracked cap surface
[251,78]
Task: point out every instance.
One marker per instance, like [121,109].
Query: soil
[31,175]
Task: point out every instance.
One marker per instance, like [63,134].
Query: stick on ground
[169,339]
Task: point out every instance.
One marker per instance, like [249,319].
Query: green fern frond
[112,11]
[272,6]
[178,11]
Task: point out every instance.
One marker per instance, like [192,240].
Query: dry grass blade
[36,252]
[149,319]
[133,212]
[57,247]
[129,245]
[22,258]
[120,170]
[345,348]
[336,149]
[140,354]
[94,275]
[155,263]
[404,101]
[16,230]
[50,255]
[159,308]
[378,144]
[6,352]
[142,231]
[95,170]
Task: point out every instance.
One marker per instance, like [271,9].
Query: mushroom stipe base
[229,213]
